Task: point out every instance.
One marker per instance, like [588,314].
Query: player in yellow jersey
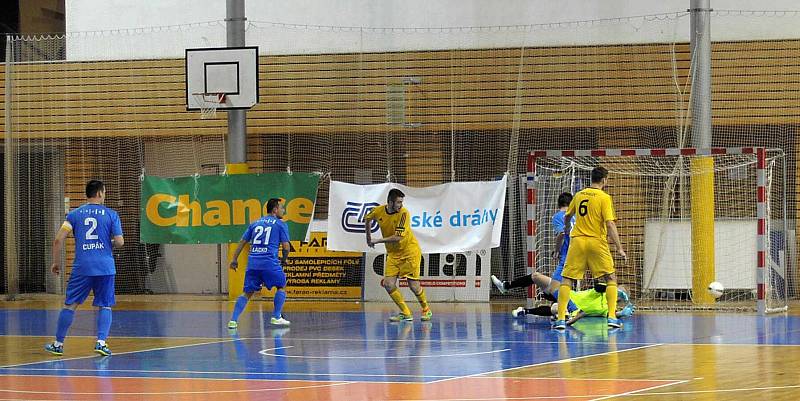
[588,248]
[403,254]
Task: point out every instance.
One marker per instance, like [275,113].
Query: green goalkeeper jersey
[593,303]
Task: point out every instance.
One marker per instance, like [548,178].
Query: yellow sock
[423,300]
[611,297]
[563,300]
[397,297]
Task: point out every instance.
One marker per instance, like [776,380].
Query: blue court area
[364,346]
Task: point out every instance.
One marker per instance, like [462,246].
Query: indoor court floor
[181,350]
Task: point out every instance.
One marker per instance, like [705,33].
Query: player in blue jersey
[548,285]
[96,229]
[263,266]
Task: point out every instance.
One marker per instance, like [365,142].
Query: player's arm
[118,241]
[576,317]
[367,224]
[235,257]
[285,245]
[568,216]
[58,246]
[611,226]
[559,242]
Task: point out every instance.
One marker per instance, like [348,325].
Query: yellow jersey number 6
[583,208]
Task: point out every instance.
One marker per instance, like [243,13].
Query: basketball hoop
[209,102]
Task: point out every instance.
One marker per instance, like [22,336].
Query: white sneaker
[279,322]
[499,285]
[519,312]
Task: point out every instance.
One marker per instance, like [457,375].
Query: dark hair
[598,173]
[395,193]
[564,199]
[272,203]
[93,187]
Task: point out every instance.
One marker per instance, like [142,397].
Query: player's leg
[389,283]
[103,288]
[252,283]
[277,279]
[78,289]
[410,270]
[574,268]
[419,292]
[602,266]
[518,282]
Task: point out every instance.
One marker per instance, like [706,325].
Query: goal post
[686,216]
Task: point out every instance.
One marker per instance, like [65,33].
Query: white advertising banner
[446,218]
[446,277]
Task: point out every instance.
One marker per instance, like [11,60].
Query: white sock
[102,343]
[57,343]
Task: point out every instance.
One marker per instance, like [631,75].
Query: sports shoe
[53,349]
[102,349]
[400,317]
[519,312]
[614,323]
[233,325]
[279,321]
[559,325]
[500,285]
[426,315]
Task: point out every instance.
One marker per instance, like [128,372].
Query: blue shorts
[253,279]
[78,289]
[557,273]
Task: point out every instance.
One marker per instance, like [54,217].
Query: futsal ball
[715,289]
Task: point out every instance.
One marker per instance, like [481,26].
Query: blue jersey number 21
[262,232]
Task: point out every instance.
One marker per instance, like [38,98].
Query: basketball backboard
[231,71]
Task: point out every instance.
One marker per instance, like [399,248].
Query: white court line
[547,363]
[263,352]
[724,390]
[255,390]
[518,342]
[201,372]
[413,340]
[577,378]
[636,392]
[118,353]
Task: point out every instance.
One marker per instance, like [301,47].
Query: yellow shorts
[405,267]
[588,252]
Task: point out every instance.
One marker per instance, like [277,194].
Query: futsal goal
[686,216]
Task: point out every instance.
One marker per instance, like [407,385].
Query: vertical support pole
[702,193]
[531,213]
[11,262]
[761,216]
[700,45]
[237,135]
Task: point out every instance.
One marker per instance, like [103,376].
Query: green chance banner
[216,209]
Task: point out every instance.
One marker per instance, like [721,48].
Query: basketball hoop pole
[237,135]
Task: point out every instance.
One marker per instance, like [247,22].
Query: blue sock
[64,321]
[103,323]
[280,298]
[241,302]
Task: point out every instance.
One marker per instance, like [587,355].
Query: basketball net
[209,102]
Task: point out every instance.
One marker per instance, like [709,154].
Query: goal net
[686,218]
